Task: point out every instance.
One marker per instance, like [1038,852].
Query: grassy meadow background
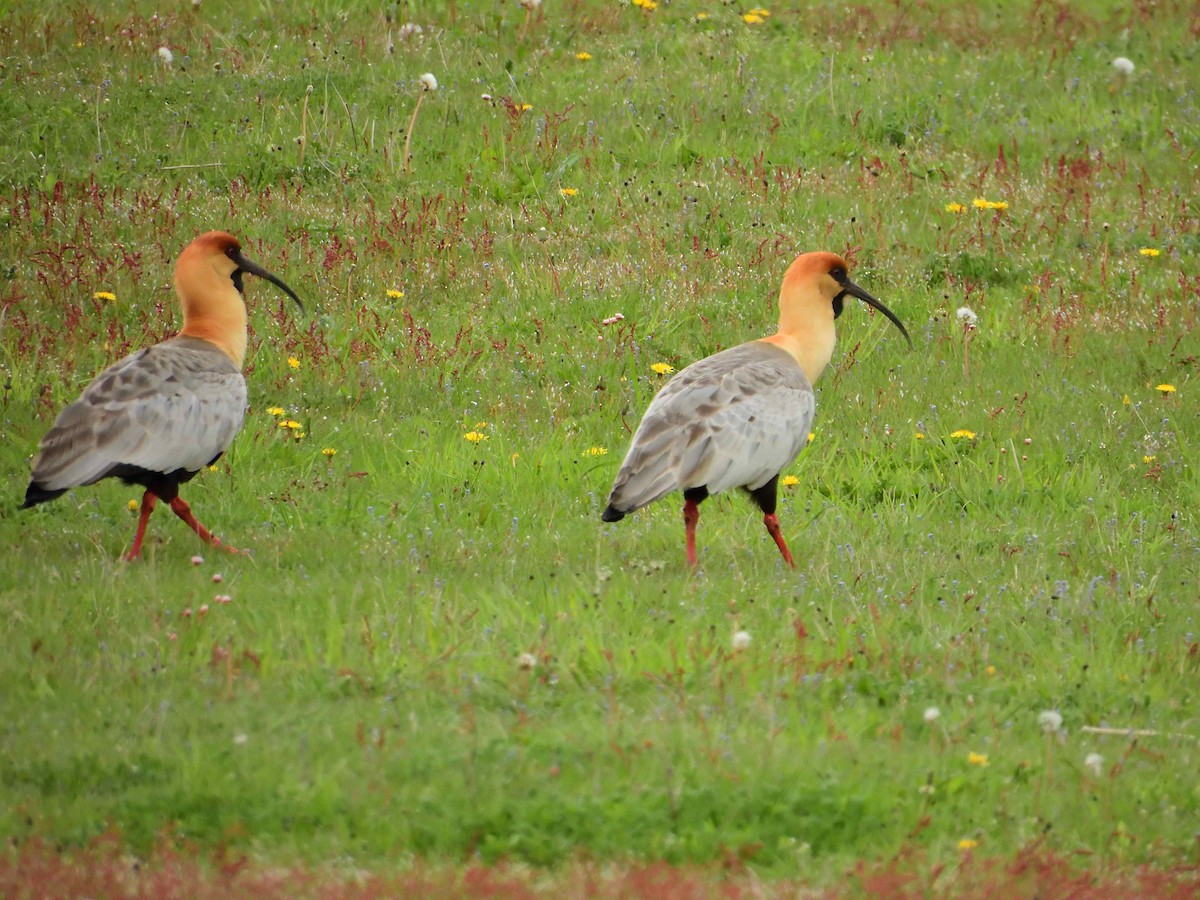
[435,650]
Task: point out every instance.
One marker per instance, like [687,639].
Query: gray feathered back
[175,405]
[732,419]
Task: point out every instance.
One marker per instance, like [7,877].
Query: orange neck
[213,309]
[811,348]
[227,335]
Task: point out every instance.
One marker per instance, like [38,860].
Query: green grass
[360,696]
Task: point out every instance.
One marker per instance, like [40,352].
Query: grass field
[436,655]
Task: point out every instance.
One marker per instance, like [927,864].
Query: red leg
[181,509]
[691,515]
[776,532]
[149,499]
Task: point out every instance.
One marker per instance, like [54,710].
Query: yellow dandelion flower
[111,297]
[701,16]
[595,451]
[293,362]
[920,435]
[583,56]
[1149,459]
[648,5]
[480,425]
[212,468]
[954,207]
[133,505]
[759,11]
[329,451]
[662,369]
[967,844]
[1150,251]
[298,435]
[977,759]
[524,107]
[1165,389]
[394,294]
[568,192]
[812,436]
[980,203]
[789,481]
[752,18]
[963,433]
[1125,400]
[991,670]
[275,411]
[475,436]
[290,424]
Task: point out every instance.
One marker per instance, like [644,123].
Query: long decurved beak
[849,287]
[246,265]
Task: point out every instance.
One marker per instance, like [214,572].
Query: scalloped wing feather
[733,419]
[175,405]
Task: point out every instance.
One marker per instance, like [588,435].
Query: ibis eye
[838,274]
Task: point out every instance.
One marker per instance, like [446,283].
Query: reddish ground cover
[104,869]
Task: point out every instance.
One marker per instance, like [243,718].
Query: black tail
[36,494]
[612,514]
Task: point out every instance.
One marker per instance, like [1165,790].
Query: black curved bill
[245,265]
[849,287]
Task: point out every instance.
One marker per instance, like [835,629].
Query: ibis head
[811,297]
[208,280]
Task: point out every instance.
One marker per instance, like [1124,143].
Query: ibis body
[160,415]
[738,417]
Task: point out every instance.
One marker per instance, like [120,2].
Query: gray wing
[175,405]
[730,420]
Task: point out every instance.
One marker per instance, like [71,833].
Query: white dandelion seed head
[240,738]
[165,54]
[531,4]
[1094,763]
[741,640]
[1123,64]
[428,82]
[1051,721]
[526,661]
[932,714]
[966,316]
